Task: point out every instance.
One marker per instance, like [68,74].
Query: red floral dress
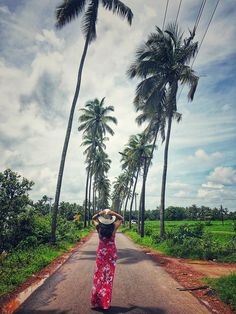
[106,257]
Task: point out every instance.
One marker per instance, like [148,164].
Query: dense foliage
[191,239]
[193,212]
[24,223]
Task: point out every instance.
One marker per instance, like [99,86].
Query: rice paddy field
[221,232]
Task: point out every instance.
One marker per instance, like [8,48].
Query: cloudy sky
[38,68]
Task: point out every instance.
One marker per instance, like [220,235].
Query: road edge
[211,302]
[10,302]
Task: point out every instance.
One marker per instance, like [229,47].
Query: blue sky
[38,67]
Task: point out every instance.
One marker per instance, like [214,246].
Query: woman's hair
[106,230]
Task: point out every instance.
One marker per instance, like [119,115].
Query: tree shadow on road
[30,311]
[125,256]
[132,309]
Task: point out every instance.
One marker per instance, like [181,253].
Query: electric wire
[176,19]
[208,25]
[199,14]
[196,24]
[163,25]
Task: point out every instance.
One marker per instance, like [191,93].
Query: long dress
[106,257]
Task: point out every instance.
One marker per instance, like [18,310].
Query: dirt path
[141,286]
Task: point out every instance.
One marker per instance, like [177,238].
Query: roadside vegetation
[225,288]
[190,239]
[25,230]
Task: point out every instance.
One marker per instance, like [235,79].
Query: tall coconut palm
[162,64]
[135,150]
[101,165]
[95,121]
[93,143]
[119,192]
[67,11]
[129,166]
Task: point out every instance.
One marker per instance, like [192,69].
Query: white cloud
[41,64]
[208,194]
[182,193]
[177,184]
[226,107]
[49,37]
[201,155]
[212,185]
[223,175]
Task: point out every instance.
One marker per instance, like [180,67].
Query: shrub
[148,231]
[28,243]
[179,234]
[155,236]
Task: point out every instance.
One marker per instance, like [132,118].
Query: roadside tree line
[161,65]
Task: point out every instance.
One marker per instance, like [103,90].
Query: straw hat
[106,219]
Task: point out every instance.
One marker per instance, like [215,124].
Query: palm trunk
[86,196]
[153,147]
[94,207]
[89,200]
[127,198]
[139,210]
[66,143]
[132,199]
[143,197]
[86,211]
[172,104]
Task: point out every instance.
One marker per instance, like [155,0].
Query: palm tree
[119,191]
[93,143]
[135,151]
[129,166]
[162,63]
[67,11]
[94,121]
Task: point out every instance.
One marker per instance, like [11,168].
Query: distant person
[106,222]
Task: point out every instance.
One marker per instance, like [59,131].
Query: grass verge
[19,265]
[206,247]
[146,241]
[225,288]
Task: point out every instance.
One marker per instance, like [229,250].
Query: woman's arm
[119,217]
[94,218]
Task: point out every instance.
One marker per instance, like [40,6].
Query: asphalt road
[140,286]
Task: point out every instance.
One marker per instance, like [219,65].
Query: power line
[176,19]
[163,25]
[196,25]
[199,14]
[213,13]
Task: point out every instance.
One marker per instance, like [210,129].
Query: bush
[190,247]
[155,236]
[179,234]
[148,231]
[28,243]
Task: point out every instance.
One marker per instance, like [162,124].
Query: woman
[106,222]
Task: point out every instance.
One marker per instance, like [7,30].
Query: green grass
[225,288]
[19,265]
[219,248]
[146,241]
[221,233]
[216,225]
